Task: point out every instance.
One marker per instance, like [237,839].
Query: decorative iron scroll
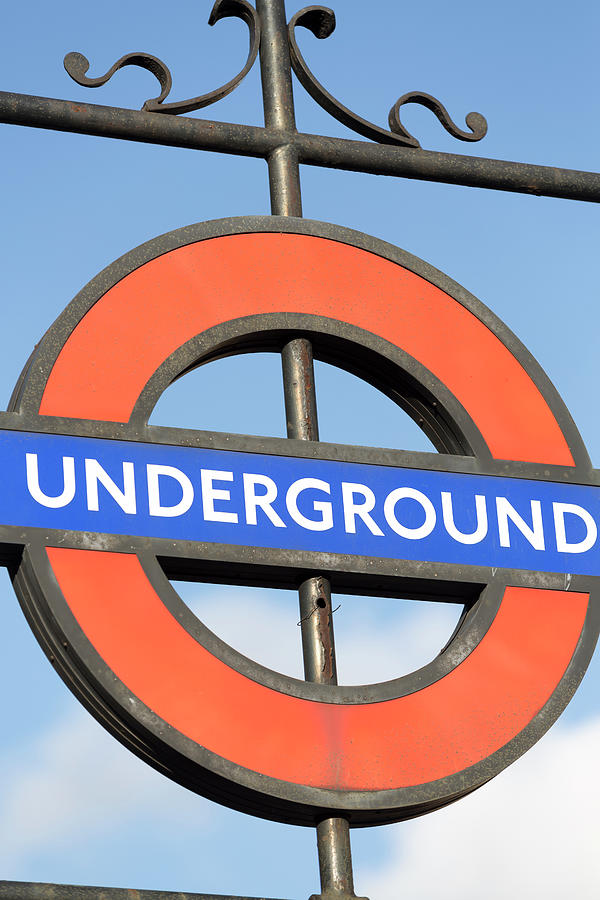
[320,20]
[77,65]
[475,121]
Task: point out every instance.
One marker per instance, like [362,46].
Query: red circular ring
[437,732]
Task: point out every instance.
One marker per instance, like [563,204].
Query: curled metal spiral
[475,121]
[320,20]
[77,65]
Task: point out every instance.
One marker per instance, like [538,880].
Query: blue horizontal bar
[258,500]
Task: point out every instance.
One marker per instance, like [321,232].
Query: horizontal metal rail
[312,150]
[135,125]
[25,890]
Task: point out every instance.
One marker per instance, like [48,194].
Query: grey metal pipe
[26,890]
[316,619]
[278,102]
[312,150]
[135,125]
[299,391]
[449,168]
[335,859]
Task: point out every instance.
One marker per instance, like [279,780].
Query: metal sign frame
[61,579]
[285,150]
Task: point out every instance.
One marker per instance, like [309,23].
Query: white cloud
[373,647]
[530,833]
[260,624]
[74,781]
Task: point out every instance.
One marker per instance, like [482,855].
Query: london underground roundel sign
[99,508]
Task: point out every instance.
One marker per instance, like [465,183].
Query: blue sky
[74,805]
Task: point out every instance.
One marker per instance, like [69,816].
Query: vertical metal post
[335,859]
[318,647]
[278,103]
[315,593]
[333,835]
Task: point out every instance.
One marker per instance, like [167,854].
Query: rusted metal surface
[299,390]
[278,103]
[318,647]
[25,890]
[315,593]
[135,125]
[316,616]
[316,619]
[312,150]
[335,861]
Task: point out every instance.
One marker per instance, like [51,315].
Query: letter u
[482,520]
[33,482]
